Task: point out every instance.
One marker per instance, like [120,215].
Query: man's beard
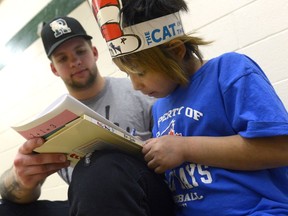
[83,85]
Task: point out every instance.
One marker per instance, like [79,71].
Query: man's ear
[53,69]
[178,48]
[95,52]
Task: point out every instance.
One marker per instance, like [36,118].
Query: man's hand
[22,183]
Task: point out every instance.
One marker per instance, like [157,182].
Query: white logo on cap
[59,27]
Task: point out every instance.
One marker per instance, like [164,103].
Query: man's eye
[81,51]
[62,59]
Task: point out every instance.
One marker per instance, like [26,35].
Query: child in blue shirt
[220,130]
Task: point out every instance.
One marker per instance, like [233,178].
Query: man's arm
[22,183]
[12,190]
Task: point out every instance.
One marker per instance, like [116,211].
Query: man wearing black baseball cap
[112,183]
[60,30]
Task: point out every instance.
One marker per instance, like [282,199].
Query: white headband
[137,37]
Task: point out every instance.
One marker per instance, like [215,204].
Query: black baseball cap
[59,30]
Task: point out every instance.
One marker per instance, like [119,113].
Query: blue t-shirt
[229,95]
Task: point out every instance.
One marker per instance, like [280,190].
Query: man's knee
[108,166]
[43,208]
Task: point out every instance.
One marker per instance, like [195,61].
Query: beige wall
[258,28]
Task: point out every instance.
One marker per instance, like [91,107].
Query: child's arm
[230,152]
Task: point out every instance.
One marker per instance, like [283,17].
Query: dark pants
[116,184]
[38,208]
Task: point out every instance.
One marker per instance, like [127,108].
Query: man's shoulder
[124,86]
[119,83]
[118,79]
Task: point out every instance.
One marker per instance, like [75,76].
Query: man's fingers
[45,169]
[38,159]
[30,145]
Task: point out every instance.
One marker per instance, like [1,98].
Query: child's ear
[177,47]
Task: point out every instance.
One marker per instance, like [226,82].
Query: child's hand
[164,153]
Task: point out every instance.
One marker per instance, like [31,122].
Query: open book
[70,127]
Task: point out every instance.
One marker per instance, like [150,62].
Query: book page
[62,111]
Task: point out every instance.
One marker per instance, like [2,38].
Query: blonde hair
[162,60]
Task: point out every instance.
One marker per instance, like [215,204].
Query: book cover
[70,127]
[86,134]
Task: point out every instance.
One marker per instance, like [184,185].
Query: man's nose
[75,61]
